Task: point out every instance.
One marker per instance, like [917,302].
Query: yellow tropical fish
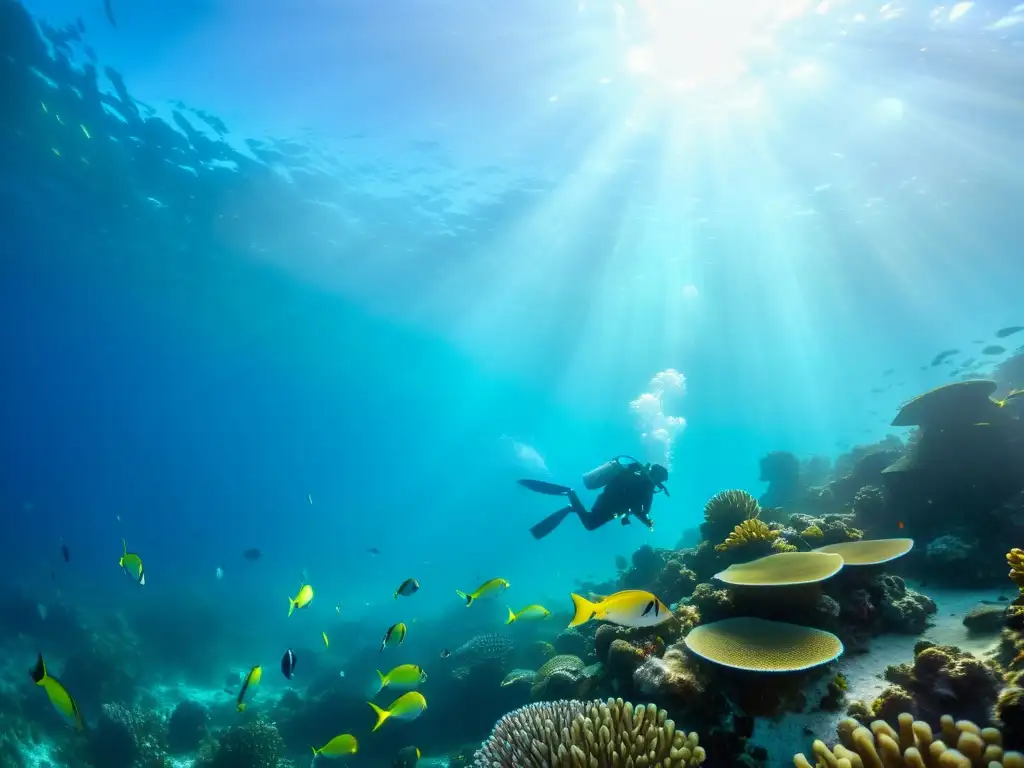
[394,636]
[339,746]
[131,564]
[408,706]
[488,588]
[402,678]
[629,608]
[326,642]
[529,612]
[301,600]
[57,693]
[251,681]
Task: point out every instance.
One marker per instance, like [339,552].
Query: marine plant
[596,734]
[959,744]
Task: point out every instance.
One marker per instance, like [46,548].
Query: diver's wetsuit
[630,492]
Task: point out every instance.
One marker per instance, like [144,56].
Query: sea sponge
[962,745]
[759,645]
[596,734]
[783,569]
[870,551]
[754,531]
[724,511]
[961,402]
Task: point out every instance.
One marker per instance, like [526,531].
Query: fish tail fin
[383,681]
[464,596]
[584,610]
[511,615]
[396,595]
[38,672]
[124,545]
[241,706]
[315,753]
[382,715]
[291,606]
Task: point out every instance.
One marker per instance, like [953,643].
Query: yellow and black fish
[251,681]
[58,694]
[301,600]
[394,636]
[407,757]
[628,608]
[131,564]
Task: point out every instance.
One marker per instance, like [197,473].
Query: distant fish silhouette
[252,555]
[373,551]
[939,358]
[65,553]
[110,13]
[993,349]
[1002,333]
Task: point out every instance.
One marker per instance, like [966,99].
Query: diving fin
[549,523]
[539,486]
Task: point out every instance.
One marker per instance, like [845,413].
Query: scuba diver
[628,490]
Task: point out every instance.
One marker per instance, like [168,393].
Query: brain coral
[759,645]
[913,746]
[558,673]
[596,734]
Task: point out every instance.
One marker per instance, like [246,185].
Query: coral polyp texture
[783,569]
[759,645]
[1015,559]
[724,511]
[869,552]
[597,734]
[754,531]
[959,744]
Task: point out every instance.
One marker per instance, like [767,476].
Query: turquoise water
[320,278]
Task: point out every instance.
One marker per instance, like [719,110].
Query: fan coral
[724,511]
[599,734]
[869,552]
[759,645]
[783,569]
[754,531]
[962,745]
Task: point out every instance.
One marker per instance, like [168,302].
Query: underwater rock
[713,602]
[870,512]
[255,744]
[125,737]
[668,679]
[942,680]
[603,639]
[986,617]
[623,660]
[781,470]
[949,550]
[187,727]
[573,643]
[900,608]
[1009,713]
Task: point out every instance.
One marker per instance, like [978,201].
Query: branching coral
[599,735]
[754,531]
[961,744]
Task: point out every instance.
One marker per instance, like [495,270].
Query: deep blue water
[455,229]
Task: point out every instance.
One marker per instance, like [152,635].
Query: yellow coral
[759,645]
[812,531]
[1015,559]
[748,531]
[962,744]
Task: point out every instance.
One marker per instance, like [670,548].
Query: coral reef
[557,679]
[756,537]
[960,744]
[255,744]
[187,727]
[724,511]
[125,738]
[941,679]
[599,734]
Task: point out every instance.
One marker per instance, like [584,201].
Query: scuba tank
[601,476]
